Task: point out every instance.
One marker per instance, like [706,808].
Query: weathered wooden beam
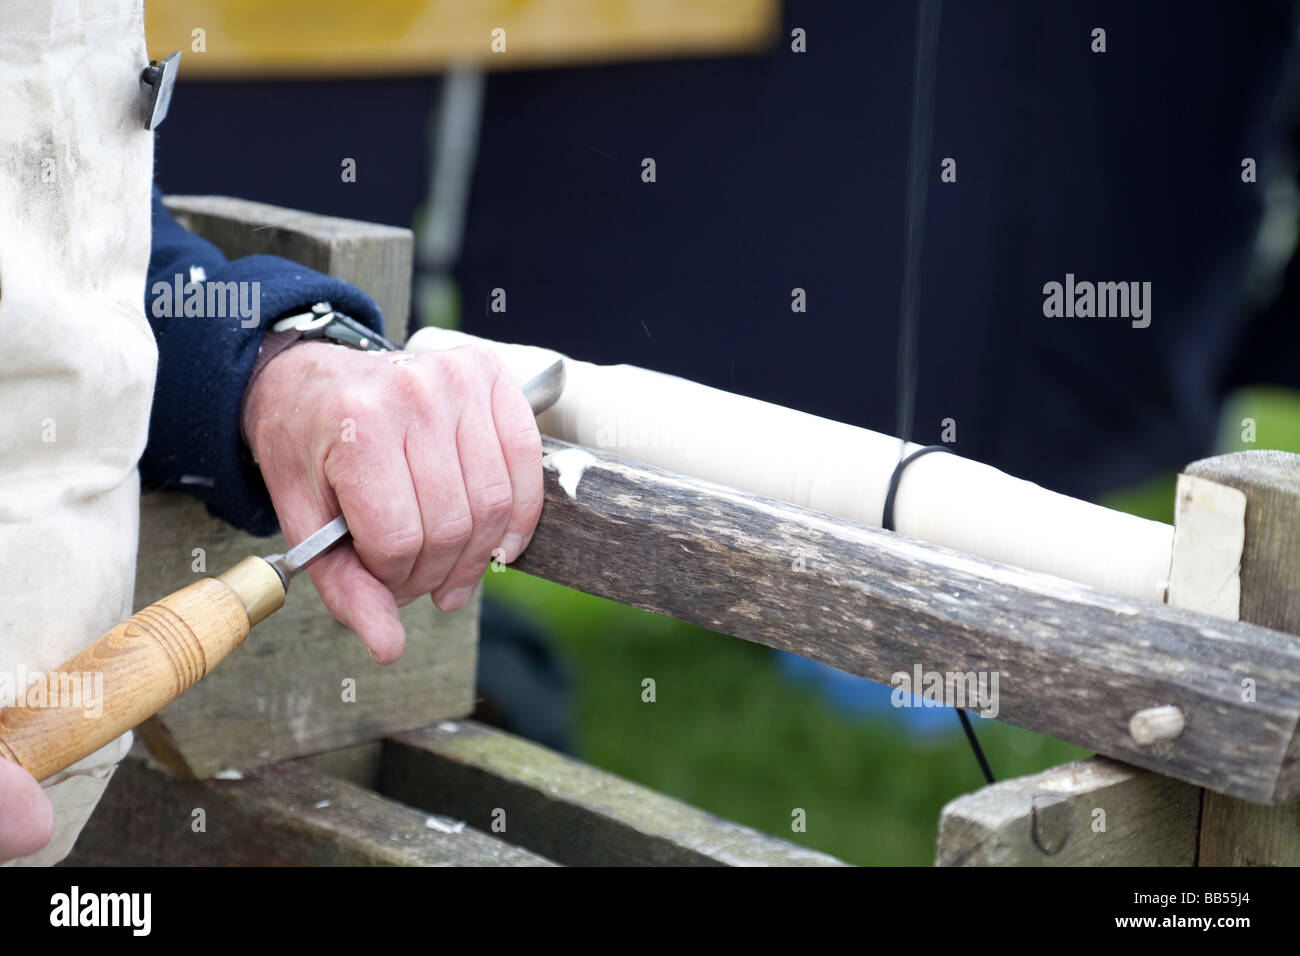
[1094,812]
[373,257]
[1071,661]
[287,815]
[1234,832]
[302,683]
[563,809]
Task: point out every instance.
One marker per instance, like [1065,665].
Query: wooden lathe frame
[1075,662]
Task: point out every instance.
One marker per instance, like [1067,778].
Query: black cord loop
[887,518]
[887,522]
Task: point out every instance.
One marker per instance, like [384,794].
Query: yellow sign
[319,38]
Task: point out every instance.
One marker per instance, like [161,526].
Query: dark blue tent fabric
[788,171]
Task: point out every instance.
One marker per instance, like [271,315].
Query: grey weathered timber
[1093,812]
[359,764]
[1234,832]
[1072,661]
[563,809]
[1270,560]
[281,695]
[375,258]
[1237,833]
[287,815]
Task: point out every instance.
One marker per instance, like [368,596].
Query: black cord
[887,522]
[887,518]
[975,745]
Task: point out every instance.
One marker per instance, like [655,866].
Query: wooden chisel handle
[146,662]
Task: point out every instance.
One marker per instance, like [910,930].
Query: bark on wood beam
[1071,661]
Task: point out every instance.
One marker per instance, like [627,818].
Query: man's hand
[26,816]
[433,458]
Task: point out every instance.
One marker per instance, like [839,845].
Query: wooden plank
[337,38]
[563,809]
[1072,662]
[1234,832]
[283,693]
[287,815]
[1094,812]
[374,258]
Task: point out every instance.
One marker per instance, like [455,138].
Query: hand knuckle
[484,357]
[526,440]
[455,368]
[531,507]
[414,386]
[352,401]
[400,542]
[450,533]
[492,500]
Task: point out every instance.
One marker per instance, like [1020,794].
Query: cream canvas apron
[77,357]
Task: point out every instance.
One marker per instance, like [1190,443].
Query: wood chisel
[163,650]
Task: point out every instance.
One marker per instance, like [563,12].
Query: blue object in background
[860,697]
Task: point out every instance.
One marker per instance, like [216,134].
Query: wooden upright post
[1234,832]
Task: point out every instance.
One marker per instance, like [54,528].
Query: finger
[521,445]
[444,506]
[359,601]
[26,815]
[487,486]
[376,494]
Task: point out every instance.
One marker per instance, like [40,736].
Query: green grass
[730,734]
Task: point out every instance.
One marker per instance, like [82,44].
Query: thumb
[26,815]
[359,601]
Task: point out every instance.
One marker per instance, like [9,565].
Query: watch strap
[273,343]
[321,323]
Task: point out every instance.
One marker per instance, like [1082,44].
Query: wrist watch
[322,323]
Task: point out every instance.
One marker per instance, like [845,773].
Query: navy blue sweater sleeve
[208,335]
